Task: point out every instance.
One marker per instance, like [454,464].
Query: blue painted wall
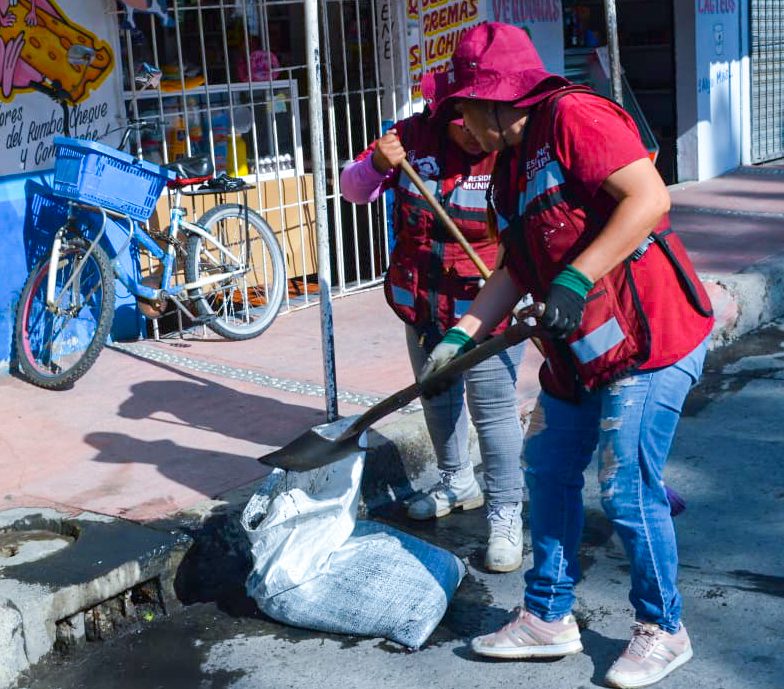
[13,262]
[25,239]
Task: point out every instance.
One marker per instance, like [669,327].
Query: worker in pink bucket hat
[429,285]
[583,220]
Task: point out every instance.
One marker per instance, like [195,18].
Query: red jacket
[431,282]
[649,311]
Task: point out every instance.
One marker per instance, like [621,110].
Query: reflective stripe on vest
[462,306]
[598,341]
[550,177]
[402,296]
[468,198]
[408,184]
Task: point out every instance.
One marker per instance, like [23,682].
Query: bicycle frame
[167,256]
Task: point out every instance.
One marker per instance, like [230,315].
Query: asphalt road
[727,462]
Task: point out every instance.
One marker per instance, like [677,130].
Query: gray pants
[490,390]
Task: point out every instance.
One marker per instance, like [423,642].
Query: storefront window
[228,88]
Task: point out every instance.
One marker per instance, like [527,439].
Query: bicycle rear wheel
[243,305]
[56,348]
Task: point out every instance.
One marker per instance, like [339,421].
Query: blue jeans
[632,422]
[489,388]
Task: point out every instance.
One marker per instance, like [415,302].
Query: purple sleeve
[360,182]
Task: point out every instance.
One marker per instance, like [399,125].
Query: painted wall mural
[35,36]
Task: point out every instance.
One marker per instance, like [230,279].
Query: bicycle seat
[197,167]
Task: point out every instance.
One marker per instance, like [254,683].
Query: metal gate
[767,79]
[235,88]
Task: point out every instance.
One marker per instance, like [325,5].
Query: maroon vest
[648,312]
[431,282]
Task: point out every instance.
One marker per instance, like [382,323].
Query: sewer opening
[139,605]
[34,538]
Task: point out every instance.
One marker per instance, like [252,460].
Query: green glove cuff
[458,336]
[574,280]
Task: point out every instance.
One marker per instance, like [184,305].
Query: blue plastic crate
[93,173]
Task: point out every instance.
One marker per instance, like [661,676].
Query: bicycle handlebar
[57,93]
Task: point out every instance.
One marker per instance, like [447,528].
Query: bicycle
[234,268]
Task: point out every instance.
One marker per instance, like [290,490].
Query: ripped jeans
[632,423]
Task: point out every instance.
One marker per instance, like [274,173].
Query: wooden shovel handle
[438,209]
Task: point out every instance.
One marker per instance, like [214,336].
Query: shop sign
[442,23]
[35,36]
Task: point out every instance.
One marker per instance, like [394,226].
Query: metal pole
[320,193]
[613,51]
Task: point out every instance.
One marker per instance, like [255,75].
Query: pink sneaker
[651,655]
[529,637]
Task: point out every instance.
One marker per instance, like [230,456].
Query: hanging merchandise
[157,7]
[250,13]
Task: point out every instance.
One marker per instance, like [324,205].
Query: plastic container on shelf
[178,148]
[96,174]
[237,154]
[221,126]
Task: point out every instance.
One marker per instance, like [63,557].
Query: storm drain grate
[125,612]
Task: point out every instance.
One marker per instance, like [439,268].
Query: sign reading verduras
[35,37]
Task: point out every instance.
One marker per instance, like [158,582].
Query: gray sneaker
[505,544]
[456,489]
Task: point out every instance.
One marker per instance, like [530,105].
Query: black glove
[563,311]
[564,306]
[456,342]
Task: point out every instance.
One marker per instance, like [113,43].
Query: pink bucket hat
[498,62]
[428,88]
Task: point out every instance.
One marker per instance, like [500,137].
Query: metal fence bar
[320,192]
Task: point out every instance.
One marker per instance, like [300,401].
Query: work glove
[565,303]
[455,342]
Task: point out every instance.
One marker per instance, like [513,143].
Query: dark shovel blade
[311,450]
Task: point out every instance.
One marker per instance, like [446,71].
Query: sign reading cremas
[35,37]
[442,23]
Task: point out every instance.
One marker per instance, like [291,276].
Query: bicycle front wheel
[57,346]
[244,303]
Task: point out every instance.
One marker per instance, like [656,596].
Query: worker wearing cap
[582,216]
[430,284]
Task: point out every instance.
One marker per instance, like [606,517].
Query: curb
[68,580]
[746,300]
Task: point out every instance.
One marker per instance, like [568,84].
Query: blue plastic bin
[93,173]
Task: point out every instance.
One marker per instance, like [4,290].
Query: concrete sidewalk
[157,431]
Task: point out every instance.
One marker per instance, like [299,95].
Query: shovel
[331,442]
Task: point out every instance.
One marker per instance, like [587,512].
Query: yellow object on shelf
[170,85]
[176,144]
[238,168]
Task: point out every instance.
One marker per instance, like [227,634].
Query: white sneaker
[505,544]
[455,489]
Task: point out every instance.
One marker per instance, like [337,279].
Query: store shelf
[263,115]
[243,86]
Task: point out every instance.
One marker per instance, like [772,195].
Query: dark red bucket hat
[494,61]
